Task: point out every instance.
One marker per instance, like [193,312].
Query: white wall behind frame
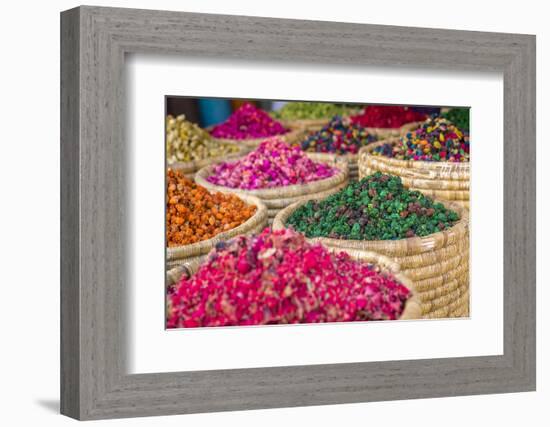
[30,323]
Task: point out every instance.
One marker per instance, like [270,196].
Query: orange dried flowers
[193,214]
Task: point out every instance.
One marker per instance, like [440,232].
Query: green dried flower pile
[376,208]
[460,117]
[311,111]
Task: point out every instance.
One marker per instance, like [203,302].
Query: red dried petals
[277,277]
[386,116]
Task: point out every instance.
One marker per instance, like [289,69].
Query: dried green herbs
[460,117]
[311,110]
[378,207]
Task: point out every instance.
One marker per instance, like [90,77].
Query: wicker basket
[312,125]
[290,137]
[185,269]
[190,168]
[413,306]
[385,133]
[278,198]
[307,125]
[438,264]
[177,255]
[439,180]
[349,159]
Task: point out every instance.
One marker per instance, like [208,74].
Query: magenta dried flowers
[277,277]
[248,122]
[273,164]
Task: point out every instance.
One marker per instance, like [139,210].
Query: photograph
[303,212]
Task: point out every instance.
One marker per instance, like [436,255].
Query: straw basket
[278,198]
[308,125]
[177,255]
[314,124]
[349,159]
[190,168]
[413,306]
[439,180]
[437,265]
[184,270]
[290,137]
[385,133]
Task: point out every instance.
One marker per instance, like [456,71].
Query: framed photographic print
[262,213]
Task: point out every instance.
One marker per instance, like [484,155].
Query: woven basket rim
[407,127]
[301,123]
[194,165]
[287,191]
[290,135]
[462,167]
[278,204]
[350,157]
[173,274]
[202,247]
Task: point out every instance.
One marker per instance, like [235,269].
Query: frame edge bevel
[70,404]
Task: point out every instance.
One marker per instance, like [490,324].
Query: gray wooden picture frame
[94,382]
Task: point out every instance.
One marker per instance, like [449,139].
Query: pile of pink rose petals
[248,122]
[277,277]
[273,164]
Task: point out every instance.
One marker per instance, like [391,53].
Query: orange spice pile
[194,214]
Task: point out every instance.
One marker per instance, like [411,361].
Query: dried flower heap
[378,207]
[277,277]
[387,116]
[248,122]
[460,117]
[339,136]
[193,214]
[436,140]
[186,141]
[311,110]
[273,164]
